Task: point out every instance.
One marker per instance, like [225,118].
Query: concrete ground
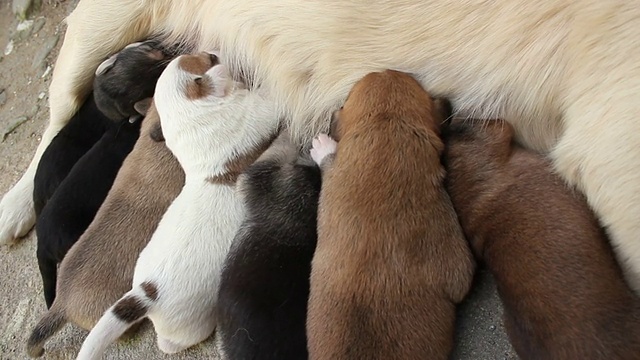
[27,53]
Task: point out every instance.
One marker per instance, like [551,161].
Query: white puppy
[215,128]
[565,74]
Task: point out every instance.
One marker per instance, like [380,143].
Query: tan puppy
[562,290]
[99,267]
[391,261]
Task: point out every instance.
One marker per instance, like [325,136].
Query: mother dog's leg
[600,153]
[96,29]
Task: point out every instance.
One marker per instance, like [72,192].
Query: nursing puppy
[215,128]
[99,268]
[391,262]
[556,70]
[262,304]
[76,201]
[562,289]
[125,79]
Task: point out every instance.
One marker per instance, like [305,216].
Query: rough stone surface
[9,48]
[23,30]
[21,8]
[41,56]
[37,25]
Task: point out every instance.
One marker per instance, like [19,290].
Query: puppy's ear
[215,53]
[135,44]
[142,106]
[453,127]
[442,106]
[499,129]
[220,80]
[106,65]
[156,133]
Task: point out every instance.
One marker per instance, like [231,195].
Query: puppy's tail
[131,308]
[50,323]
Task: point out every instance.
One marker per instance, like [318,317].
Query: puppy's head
[124,83]
[477,137]
[192,85]
[390,96]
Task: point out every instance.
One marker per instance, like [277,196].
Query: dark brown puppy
[99,267]
[391,261]
[563,292]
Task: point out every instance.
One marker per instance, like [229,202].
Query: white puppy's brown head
[202,112]
[193,84]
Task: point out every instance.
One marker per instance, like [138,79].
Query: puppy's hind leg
[132,308]
[48,325]
[90,38]
[48,271]
[169,347]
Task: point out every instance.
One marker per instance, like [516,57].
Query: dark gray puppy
[262,303]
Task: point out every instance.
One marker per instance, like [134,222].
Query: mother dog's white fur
[181,265]
[566,74]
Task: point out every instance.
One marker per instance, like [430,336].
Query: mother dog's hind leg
[96,29]
[600,154]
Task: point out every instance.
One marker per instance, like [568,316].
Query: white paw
[323,145]
[17,214]
[169,347]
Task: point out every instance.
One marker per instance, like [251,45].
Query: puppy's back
[265,283]
[391,260]
[83,130]
[74,204]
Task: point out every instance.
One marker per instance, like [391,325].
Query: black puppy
[76,201]
[121,81]
[83,130]
[73,205]
[262,303]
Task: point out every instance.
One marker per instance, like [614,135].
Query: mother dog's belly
[499,59]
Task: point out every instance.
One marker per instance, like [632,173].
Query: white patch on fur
[184,257]
[323,145]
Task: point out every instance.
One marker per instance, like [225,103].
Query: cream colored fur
[184,257]
[565,73]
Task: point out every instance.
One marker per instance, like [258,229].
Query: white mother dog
[566,74]
[215,127]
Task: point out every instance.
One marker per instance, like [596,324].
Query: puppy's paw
[169,347]
[17,214]
[323,145]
